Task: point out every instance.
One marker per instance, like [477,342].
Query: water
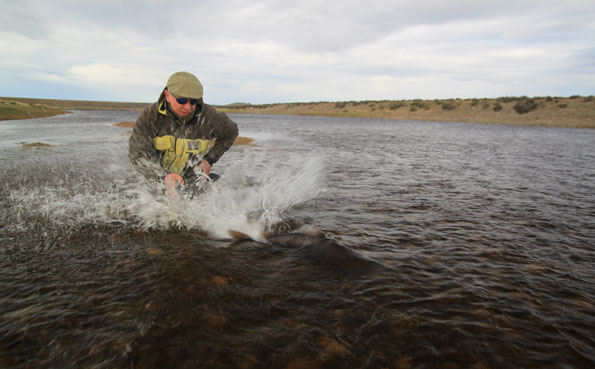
[392,244]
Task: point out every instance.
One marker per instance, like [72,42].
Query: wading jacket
[160,138]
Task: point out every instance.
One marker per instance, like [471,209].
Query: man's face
[183,110]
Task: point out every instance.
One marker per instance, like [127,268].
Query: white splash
[248,198]
[253,193]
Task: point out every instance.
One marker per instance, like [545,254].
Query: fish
[315,246]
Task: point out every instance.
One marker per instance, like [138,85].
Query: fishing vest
[175,152]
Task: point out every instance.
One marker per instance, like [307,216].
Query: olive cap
[184,84]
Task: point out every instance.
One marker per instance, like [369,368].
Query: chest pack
[175,152]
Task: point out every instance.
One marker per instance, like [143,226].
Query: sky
[273,51]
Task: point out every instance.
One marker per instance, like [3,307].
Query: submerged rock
[36,145]
[220,281]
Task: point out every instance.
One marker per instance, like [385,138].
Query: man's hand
[204,167]
[170,182]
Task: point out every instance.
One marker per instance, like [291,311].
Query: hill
[574,111]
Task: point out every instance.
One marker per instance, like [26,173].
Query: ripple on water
[439,245]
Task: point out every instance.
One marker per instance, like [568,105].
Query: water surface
[411,245]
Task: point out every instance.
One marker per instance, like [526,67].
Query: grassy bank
[79,104]
[18,110]
[23,108]
[574,111]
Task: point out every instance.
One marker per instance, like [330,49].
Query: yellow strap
[176,151]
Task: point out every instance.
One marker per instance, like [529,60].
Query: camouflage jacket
[157,121]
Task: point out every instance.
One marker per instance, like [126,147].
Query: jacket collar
[163,108]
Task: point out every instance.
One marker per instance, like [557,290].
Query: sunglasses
[184,100]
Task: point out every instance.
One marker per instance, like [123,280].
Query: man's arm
[225,131]
[141,151]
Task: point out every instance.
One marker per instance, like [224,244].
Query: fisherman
[171,139]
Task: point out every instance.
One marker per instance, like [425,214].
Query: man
[175,133]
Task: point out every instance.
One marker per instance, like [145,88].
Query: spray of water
[248,198]
[253,194]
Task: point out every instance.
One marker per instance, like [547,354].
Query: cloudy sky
[268,51]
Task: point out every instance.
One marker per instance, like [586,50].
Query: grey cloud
[17,18]
[273,49]
[311,26]
[584,60]
[334,26]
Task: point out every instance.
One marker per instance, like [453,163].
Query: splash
[250,197]
[253,194]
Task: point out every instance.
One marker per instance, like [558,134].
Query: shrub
[486,104]
[449,106]
[497,106]
[588,98]
[507,99]
[413,108]
[562,106]
[340,105]
[525,106]
[420,104]
[396,105]
[474,102]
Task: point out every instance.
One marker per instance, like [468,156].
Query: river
[372,244]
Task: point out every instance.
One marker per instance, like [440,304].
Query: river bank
[572,112]
[575,111]
[24,108]
[10,110]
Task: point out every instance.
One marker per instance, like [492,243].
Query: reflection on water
[391,244]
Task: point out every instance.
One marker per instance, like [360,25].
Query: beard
[185,119]
[180,118]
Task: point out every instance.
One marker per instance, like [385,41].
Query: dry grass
[244,141]
[576,112]
[125,124]
[36,145]
[24,108]
[16,110]
[79,104]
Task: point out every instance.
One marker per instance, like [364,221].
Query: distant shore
[23,108]
[573,111]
